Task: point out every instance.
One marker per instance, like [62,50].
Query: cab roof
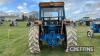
[51,4]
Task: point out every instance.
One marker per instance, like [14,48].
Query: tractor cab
[51,14]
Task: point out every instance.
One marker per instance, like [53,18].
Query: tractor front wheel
[90,34]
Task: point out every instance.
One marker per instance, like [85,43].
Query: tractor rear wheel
[34,39]
[71,37]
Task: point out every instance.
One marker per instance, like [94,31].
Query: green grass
[14,42]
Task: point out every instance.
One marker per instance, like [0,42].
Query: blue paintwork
[51,36]
[95,27]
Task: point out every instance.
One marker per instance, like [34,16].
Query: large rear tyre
[71,37]
[34,40]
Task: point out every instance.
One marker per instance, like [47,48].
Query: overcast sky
[75,9]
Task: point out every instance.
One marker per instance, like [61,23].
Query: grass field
[14,42]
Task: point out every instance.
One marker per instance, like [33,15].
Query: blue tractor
[51,28]
[95,28]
